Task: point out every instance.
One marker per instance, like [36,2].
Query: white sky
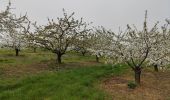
[108,13]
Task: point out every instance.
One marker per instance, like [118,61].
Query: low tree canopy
[58,35]
[13,29]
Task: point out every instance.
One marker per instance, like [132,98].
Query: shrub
[132,85]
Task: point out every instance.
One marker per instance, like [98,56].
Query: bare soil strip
[155,86]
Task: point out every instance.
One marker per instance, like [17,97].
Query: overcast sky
[108,13]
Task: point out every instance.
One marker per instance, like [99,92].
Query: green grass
[77,82]
[26,57]
[72,56]
[73,84]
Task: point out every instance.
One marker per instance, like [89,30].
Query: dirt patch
[75,64]
[21,70]
[88,64]
[154,86]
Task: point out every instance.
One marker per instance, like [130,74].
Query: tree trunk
[59,58]
[17,52]
[97,58]
[156,67]
[35,49]
[83,53]
[137,75]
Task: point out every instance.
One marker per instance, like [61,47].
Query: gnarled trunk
[137,75]
[17,52]
[156,67]
[59,58]
[97,58]
[83,53]
[35,50]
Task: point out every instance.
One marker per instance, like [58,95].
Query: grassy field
[32,76]
[35,76]
[72,84]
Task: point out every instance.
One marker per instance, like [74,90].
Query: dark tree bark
[59,55]
[97,58]
[83,53]
[35,50]
[59,59]
[137,75]
[17,52]
[156,67]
